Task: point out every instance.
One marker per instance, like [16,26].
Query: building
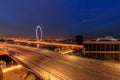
[106,48]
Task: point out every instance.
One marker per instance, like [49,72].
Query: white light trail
[11,68]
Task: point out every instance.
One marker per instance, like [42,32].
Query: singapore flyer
[39,33]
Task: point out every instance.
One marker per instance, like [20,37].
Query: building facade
[105,50]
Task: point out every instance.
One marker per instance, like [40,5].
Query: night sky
[60,18]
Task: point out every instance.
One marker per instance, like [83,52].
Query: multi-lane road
[54,66]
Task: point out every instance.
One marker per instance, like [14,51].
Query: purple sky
[60,18]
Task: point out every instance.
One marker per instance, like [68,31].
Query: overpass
[47,45]
[51,44]
[63,67]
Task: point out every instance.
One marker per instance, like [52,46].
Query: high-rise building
[103,48]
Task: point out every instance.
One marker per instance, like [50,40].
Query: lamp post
[1,74]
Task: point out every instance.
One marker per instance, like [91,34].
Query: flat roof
[101,42]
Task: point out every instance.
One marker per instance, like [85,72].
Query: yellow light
[54,44]
[68,52]
[11,68]
[58,44]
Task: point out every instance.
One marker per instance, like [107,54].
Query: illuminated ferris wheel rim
[37,34]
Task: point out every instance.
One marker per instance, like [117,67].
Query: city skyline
[60,39]
[59,18]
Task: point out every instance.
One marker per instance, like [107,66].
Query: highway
[63,67]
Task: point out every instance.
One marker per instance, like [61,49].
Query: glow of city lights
[58,44]
[55,44]
[38,28]
[70,51]
[11,68]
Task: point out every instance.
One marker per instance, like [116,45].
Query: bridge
[53,66]
[51,44]
[68,48]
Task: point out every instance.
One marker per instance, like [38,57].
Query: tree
[23,73]
[79,39]
[31,77]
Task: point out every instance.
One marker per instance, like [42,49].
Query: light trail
[54,44]
[70,51]
[11,68]
[58,44]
